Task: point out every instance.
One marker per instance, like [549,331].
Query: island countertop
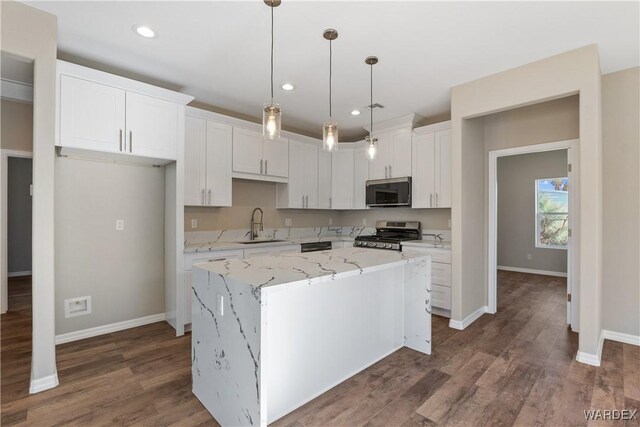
[265,271]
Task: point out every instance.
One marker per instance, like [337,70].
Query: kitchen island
[271,333]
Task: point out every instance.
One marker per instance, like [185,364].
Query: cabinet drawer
[441,296]
[441,274]
[441,257]
[197,257]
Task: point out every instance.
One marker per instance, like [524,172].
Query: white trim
[4,167]
[19,273]
[460,325]
[532,271]
[106,329]
[42,384]
[403,122]
[432,128]
[589,358]
[621,337]
[16,91]
[492,237]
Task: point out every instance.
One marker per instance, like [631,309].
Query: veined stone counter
[271,333]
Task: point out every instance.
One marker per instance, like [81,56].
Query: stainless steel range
[389,235]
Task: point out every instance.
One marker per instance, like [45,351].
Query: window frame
[538,244]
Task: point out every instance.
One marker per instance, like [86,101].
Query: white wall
[39,43]
[570,73]
[122,271]
[621,239]
[516,210]
[17,125]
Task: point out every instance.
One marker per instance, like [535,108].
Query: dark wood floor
[516,367]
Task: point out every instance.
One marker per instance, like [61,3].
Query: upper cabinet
[302,190]
[342,183]
[393,158]
[208,149]
[108,116]
[324,180]
[258,158]
[431,158]
[360,177]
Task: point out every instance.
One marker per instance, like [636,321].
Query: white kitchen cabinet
[271,250]
[301,191]
[99,117]
[258,158]
[324,179]
[431,158]
[393,158]
[92,115]
[342,182]
[360,177]
[440,277]
[208,148]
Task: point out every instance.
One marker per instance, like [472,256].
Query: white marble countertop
[427,244]
[265,271]
[219,246]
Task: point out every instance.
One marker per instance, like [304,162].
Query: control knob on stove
[388,245]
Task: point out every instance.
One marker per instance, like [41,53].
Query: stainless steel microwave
[389,192]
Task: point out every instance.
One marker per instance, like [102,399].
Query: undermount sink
[253,242]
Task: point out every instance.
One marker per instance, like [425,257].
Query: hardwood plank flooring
[516,367]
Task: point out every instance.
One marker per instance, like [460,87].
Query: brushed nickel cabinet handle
[436,200]
[120,139]
[266,167]
[430,200]
[390,174]
[209,197]
[330,202]
[130,141]
[386,175]
[261,166]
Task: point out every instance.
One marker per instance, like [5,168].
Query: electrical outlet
[194,223]
[330,221]
[449,223]
[119,224]
[287,222]
[529,257]
[364,221]
[77,306]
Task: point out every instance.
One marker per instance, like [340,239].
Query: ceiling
[218,51]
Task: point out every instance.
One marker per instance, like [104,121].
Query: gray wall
[516,210]
[621,201]
[123,271]
[20,172]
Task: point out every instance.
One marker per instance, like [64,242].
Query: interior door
[324,179]
[218,161]
[400,146]
[423,180]
[92,116]
[152,127]
[276,157]
[247,151]
[311,176]
[443,169]
[195,161]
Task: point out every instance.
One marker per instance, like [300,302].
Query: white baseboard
[106,329]
[590,358]
[42,384]
[620,337]
[532,271]
[19,273]
[460,325]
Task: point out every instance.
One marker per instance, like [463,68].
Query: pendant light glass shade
[271,121]
[372,149]
[271,113]
[330,136]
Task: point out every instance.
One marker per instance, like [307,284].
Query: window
[552,213]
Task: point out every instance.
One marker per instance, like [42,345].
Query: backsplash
[242,234]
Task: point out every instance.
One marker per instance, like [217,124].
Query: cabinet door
[342,182]
[379,168]
[400,145]
[423,185]
[443,169]
[219,141]
[188,286]
[310,170]
[92,116]
[247,151]
[195,161]
[276,157]
[360,177]
[295,187]
[152,127]
[324,180]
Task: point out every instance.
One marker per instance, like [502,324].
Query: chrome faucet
[253,233]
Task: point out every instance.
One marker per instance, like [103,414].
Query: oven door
[389,192]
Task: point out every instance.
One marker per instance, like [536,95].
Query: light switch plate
[287,222]
[194,223]
[529,256]
[119,224]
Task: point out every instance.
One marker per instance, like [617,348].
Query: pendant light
[271,114]
[330,129]
[372,149]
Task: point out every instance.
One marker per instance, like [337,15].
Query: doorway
[539,231]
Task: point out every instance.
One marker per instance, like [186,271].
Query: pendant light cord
[330,76]
[272,54]
[371,106]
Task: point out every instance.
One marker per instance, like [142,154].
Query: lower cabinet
[440,279]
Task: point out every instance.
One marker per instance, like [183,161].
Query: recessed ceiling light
[355,113]
[287,86]
[144,31]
